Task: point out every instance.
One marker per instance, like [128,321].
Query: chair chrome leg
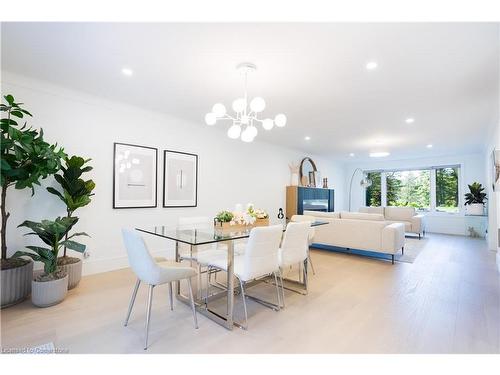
[310,262]
[148,314]
[244,303]
[278,294]
[306,280]
[282,289]
[132,300]
[192,303]
[171,295]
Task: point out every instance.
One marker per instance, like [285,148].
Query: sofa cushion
[361,216]
[399,213]
[372,210]
[330,215]
[407,224]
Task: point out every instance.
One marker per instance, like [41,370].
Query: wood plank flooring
[447,301]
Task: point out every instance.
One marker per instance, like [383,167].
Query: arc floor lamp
[364,183]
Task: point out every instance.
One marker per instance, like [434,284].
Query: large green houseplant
[50,287]
[26,158]
[475,199]
[76,193]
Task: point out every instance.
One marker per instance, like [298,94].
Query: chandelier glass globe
[239,105]
[234,131]
[253,131]
[257,104]
[210,118]
[219,110]
[246,135]
[267,124]
[280,120]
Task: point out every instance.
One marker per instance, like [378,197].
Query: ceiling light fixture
[371,65]
[243,121]
[410,120]
[429,146]
[127,71]
[381,154]
[351,154]
[307,138]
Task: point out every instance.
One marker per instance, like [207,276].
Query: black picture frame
[115,206]
[165,177]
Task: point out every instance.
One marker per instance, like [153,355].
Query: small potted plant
[475,199]
[223,219]
[50,287]
[26,159]
[76,193]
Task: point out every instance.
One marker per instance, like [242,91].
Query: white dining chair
[311,219]
[294,250]
[259,259]
[153,274]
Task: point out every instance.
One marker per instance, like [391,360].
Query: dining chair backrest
[139,258]
[295,243]
[261,252]
[303,218]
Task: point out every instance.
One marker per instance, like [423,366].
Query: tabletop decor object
[134,176]
[240,219]
[180,179]
[245,117]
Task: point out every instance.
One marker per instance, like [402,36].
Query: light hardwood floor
[447,301]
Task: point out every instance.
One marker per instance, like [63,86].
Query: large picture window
[427,189]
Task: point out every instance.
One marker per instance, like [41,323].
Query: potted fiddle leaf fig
[475,199]
[76,193]
[26,158]
[50,287]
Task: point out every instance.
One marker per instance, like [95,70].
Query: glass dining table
[194,237]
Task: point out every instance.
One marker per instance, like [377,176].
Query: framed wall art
[180,179]
[134,176]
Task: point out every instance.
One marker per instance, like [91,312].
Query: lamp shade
[210,118]
[280,120]
[257,104]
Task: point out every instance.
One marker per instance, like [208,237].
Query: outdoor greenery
[76,192]
[51,233]
[412,188]
[374,192]
[25,157]
[476,194]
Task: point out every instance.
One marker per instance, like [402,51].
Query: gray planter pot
[49,293]
[16,284]
[74,272]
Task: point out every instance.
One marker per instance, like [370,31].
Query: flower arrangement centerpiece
[240,219]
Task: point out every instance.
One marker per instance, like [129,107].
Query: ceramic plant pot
[74,272]
[49,293]
[16,284]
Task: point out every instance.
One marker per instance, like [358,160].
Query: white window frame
[432,210]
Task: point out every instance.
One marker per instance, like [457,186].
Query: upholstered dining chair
[259,259]
[294,250]
[153,274]
[311,219]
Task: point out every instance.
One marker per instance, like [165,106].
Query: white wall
[472,169]
[229,171]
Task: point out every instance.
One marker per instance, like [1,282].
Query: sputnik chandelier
[245,118]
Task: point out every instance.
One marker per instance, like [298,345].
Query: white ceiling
[444,75]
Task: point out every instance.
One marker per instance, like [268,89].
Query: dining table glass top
[200,235]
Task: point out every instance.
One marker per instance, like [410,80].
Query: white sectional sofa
[407,215]
[362,231]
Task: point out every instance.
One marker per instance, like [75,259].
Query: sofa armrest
[393,237]
[417,223]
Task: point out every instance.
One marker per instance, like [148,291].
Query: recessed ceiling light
[429,146]
[379,154]
[410,120]
[371,65]
[127,71]
[351,154]
[307,138]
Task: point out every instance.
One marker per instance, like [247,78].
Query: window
[447,189]
[427,189]
[373,195]
[409,188]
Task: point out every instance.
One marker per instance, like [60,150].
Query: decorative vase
[325,183]
[16,284]
[49,293]
[475,209]
[73,269]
